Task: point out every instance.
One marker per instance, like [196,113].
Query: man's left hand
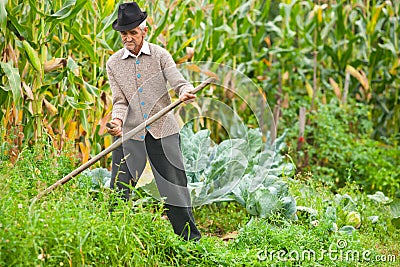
[187,97]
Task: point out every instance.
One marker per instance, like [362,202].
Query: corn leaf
[69,10]
[14,80]
[3,15]
[336,88]
[160,27]
[85,43]
[108,21]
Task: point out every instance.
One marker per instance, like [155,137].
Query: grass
[72,226]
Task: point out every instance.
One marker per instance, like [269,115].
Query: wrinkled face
[133,39]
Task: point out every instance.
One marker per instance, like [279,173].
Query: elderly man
[138,76]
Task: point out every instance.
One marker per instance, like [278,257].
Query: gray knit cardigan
[139,90]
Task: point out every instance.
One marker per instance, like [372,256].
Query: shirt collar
[145,50]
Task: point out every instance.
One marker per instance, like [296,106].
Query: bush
[338,149]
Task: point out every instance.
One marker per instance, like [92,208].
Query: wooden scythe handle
[119,141]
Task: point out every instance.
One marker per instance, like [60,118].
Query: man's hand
[116,127]
[187,97]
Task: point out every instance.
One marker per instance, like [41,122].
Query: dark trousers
[128,163]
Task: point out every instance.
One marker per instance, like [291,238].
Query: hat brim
[130,26]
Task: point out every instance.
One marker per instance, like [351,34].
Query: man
[138,75]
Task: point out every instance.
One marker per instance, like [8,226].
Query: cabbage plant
[245,170]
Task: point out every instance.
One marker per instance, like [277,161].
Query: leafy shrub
[338,149]
[40,166]
[244,170]
[95,178]
[284,245]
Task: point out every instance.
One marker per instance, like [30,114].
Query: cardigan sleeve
[173,76]
[120,104]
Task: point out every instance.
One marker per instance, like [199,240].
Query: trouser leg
[128,162]
[168,169]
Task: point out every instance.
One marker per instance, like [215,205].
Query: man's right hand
[116,130]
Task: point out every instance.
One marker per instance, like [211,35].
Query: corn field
[53,83]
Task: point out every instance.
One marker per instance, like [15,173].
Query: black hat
[129,17]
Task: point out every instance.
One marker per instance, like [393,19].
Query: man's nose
[129,37]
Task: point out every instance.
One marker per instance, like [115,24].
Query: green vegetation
[338,148]
[73,227]
[338,61]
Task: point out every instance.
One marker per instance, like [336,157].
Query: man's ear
[145,30]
